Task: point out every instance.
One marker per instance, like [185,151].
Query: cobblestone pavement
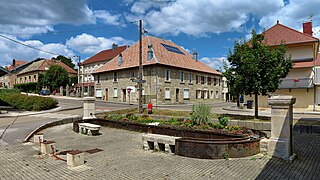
[123,158]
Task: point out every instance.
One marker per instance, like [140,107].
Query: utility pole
[140,69]
[79,75]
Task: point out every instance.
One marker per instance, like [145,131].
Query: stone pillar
[61,90]
[89,108]
[280,142]
[67,90]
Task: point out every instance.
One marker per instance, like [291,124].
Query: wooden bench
[158,142]
[89,129]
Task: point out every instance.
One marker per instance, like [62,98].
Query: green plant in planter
[225,156]
[201,114]
[224,121]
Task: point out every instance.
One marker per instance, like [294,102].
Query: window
[211,95]
[115,77]
[98,93]
[217,94]
[172,49]
[205,94]
[98,79]
[115,92]
[167,75]
[190,78]
[215,81]
[133,74]
[219,81]
[35,77]
[167,93]
[209,80]
[182,77]
[199,79]
[204,80]
[186,94]
[198,94]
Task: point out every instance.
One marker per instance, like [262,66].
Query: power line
[70,31]
[13,40]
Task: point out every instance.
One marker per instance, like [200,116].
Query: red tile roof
[18,63]
[43,65]
[130,57]
[105,55]
[280,33]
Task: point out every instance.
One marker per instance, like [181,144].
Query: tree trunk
[256,105]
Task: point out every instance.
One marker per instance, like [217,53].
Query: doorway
[124,93]
[177,95]
[106,94]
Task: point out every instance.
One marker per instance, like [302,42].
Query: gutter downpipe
[316,48]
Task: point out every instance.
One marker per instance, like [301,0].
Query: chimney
[114,46]
[195,56]
[14,62]
[307,28]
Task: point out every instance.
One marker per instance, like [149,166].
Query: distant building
[90,65]
[301,82]
[170,74]
[31,73]
[9,79]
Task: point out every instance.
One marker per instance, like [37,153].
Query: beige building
[170,74]
[89,66]
[32,71]
[303,48]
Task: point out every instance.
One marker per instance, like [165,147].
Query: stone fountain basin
[217,148]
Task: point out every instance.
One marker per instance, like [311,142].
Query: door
[124,94]
[177,95]
[106,94]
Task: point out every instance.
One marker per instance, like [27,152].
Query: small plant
[224,121]
[225,156]
[201,114]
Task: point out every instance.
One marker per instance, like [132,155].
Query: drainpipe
[316,47]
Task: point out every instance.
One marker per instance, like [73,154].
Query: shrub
[28,103]
[27,87]
[201,114]
[224,121]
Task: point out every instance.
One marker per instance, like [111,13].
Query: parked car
[44,92]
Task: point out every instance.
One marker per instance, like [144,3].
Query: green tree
[256,68]
[65,60]
[55,77]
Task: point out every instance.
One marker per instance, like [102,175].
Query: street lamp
[79,66]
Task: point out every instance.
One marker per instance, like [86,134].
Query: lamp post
[79,66]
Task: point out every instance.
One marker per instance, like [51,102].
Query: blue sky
[80,27]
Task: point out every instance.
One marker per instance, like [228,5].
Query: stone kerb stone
[88,108]
[280,143]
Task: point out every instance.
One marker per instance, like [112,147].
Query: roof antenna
[310,17]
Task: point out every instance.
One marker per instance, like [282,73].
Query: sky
[86,27]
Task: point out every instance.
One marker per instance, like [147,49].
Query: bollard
[75,158]
[38,138]
[47,146]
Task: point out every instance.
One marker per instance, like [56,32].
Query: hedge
[27,87]
[28,103]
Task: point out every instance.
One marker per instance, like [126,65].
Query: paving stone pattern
[124,158]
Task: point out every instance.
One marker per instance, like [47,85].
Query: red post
[150,108]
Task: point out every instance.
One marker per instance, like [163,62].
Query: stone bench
[89,129]
[158,142]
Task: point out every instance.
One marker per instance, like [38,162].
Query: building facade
[303,49]
[170,75]
[89,66]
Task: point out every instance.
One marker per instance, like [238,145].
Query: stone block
[264,145]
[48,147]
[38,138]
[279,148]
[75,158]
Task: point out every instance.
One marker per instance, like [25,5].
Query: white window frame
[167,93]
[167,75]
[190,78]
[199,93]
[205,80]
[211,94]
[205,94]
[186,94]
[115,92]
[217,94]
[181,76]
[199,79]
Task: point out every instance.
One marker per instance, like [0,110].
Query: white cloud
[202,16]
[294,14]
[107,17]
[214,62]
[10,50]
[88,44]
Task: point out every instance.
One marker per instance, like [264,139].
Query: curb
[50,124]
